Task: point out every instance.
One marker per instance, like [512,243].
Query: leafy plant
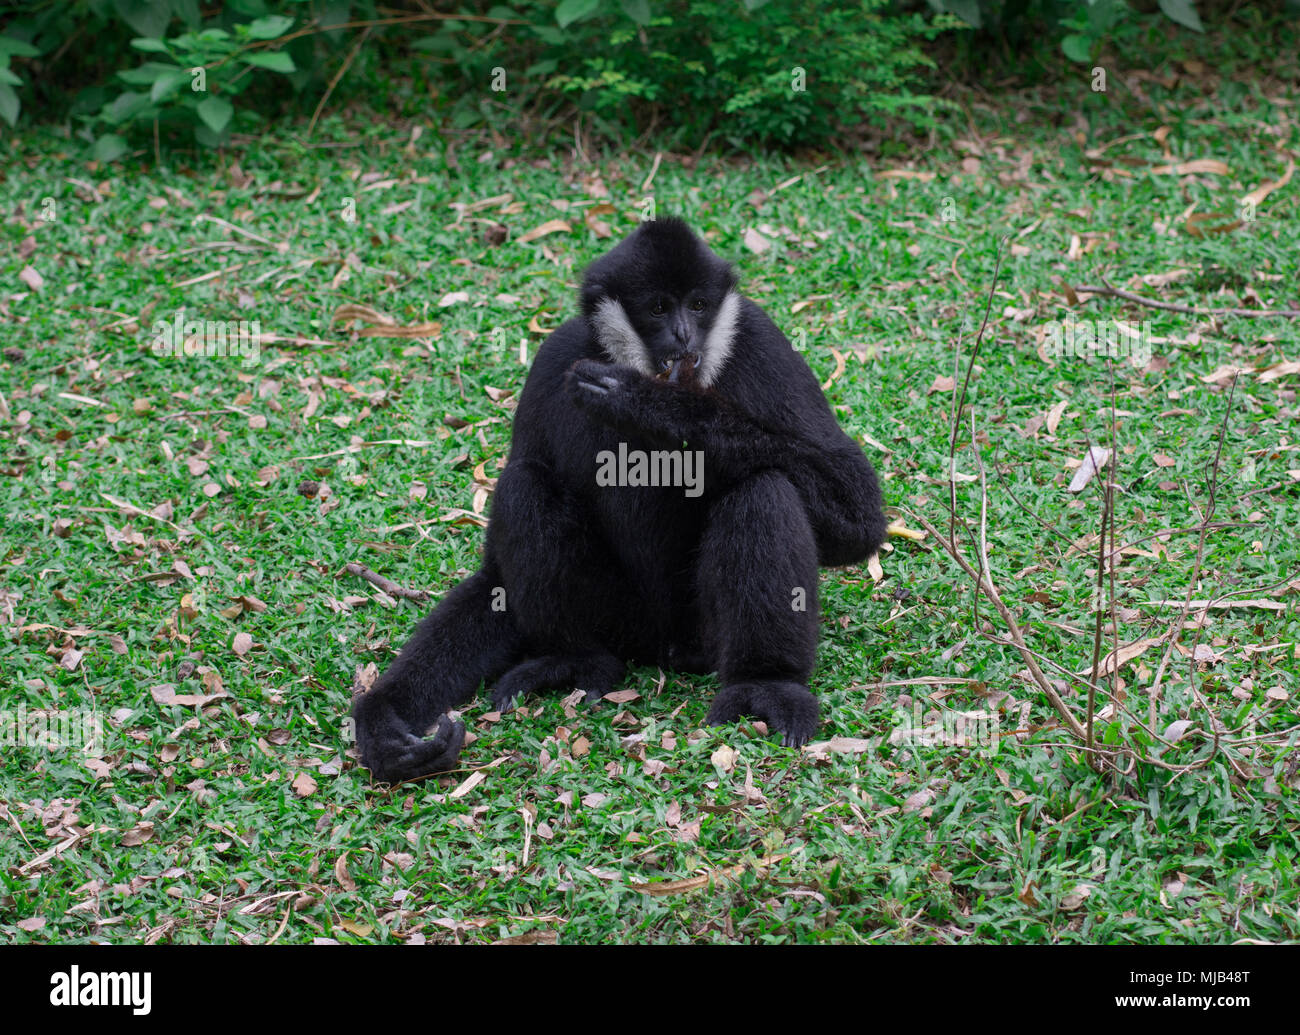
[782,72]
[194,77]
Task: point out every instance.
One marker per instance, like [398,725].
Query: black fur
[598,576]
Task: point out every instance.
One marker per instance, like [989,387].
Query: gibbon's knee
[757,582]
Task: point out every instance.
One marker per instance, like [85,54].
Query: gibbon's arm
[835,480]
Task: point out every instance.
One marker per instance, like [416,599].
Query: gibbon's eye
[658,308]
[697,306]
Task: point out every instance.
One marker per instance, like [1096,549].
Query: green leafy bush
[1082,26]
[781,72]
[777,71]
[189,77]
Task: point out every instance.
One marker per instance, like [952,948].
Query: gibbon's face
[663,303]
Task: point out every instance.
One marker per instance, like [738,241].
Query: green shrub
[780,72]
[746,71]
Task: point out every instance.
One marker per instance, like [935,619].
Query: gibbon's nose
[683,333]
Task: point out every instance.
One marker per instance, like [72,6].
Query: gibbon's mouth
[679,369]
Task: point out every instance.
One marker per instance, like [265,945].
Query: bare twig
[1174,307]
[343,68]
[387,585]
[1013,627]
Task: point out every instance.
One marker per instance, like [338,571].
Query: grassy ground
[174,530]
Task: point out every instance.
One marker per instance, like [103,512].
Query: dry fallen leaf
[551,226]
[304,786]
[1095,459]
[138,834]
[756,242]
[1198,165]
[1257,196]
[1054,416]
[341,873]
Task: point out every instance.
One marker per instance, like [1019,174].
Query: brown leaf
[31,278]
[242,644]
[1257,196]
[304,786]
[1198,165]
[138,834]
[1116,660]
[551,226]
[1055,414]
[341,871]
[1093,461]
[165,694]
[756,242]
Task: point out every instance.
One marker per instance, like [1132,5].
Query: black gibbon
[675,479]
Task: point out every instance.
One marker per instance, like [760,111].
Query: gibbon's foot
[597,673]
[396,755]
[788,708]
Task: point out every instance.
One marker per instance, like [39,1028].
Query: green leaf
[146,43]
[6,76]
[215,113]
[147,74]
[270,27]
[125,107]
[1077,48]
[570,11]
[188,12]
[1183,12]
[109,148]
[17,48]
[637,10]
[147,17]
[166,85]
[273,60]
[205,136]
[9,104]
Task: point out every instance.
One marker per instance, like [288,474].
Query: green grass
[895,844]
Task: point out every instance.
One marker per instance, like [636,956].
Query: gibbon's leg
[756,582]
[597,673]
[567,592]
[465,641]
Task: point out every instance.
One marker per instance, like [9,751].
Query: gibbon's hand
[628,401]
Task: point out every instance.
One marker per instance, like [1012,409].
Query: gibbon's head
[662,303]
